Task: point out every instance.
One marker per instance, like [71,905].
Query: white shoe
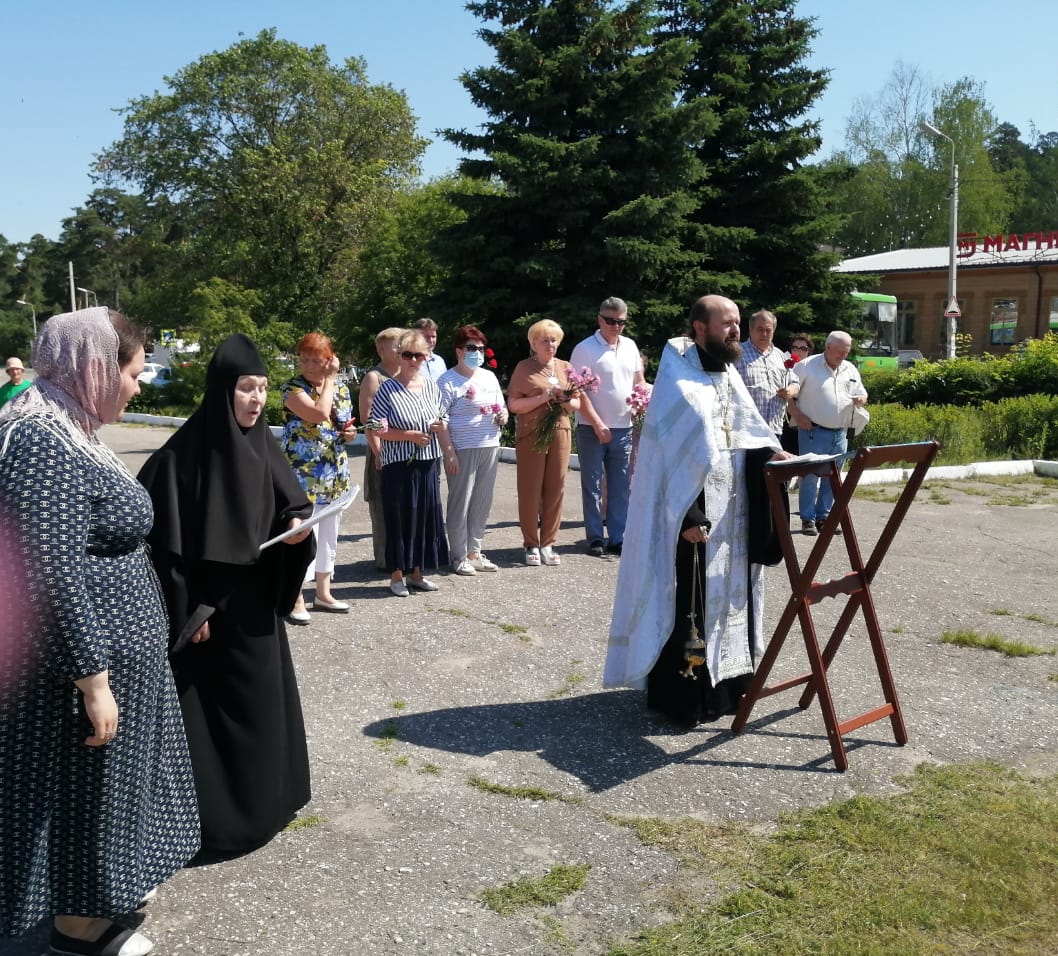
[423,584]
[119,940]
[399,588]
[532,557]
[481,563]
[299,617]
[548,557]
[465,568]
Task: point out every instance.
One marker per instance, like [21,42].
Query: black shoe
[819,523]
[614,549]
[809,528]
[596,550]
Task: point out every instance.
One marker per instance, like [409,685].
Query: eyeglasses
[413,356]
[798,348]
[610,321]
[473,348]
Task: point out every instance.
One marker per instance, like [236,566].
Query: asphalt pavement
[415,706]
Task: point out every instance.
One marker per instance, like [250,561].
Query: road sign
[952,312]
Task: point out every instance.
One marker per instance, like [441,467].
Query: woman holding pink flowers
[543,397]
[476,415]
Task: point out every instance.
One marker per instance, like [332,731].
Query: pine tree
[586,140]
[764,220]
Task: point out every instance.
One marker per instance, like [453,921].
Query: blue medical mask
[473,359]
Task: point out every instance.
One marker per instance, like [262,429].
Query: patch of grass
[1039,619]
[880,493]
[572,681]
[554,886]
[516,630]
[1001,612]
[897,629]
[963,862]
[993,642]
[399,704]
[1053,678]
[555,935]
[540,794]
[304,823]
[696,844]
[390,733]
[938,497]
[454,611]
[1012,501]
[401,761]
[430,769]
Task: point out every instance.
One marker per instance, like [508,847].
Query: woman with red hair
[319,422]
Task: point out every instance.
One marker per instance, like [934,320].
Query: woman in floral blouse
[319,422]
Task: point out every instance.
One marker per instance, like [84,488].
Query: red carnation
[792,361]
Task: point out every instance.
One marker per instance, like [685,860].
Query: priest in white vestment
[697,504]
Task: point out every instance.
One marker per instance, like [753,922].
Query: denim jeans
[816,497]
[615,460]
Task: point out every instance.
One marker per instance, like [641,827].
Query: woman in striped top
[414,441]
[476,414]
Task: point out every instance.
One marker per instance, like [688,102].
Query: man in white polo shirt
[828,389]
[604,425]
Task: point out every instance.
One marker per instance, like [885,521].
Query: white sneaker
[465,568]
[532,557]
[481,563]
[423,584]
[548,557]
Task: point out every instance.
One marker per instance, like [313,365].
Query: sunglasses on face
[610,321]
[473,348]
[413,356]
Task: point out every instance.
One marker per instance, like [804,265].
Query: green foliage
[560,881]
[994,642]
[588,138]
[1013,428]
[963,861]
[274,162]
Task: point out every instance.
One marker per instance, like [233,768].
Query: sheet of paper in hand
[339,505]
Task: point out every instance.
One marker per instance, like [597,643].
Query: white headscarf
[75,359]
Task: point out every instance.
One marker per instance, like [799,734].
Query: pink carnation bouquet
[582,380]
[638,402]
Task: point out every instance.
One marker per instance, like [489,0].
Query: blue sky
[67,66]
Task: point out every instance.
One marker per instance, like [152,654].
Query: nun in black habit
[221,486]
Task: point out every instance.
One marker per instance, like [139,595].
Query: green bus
[874,331]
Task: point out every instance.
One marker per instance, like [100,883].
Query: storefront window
[1003,326]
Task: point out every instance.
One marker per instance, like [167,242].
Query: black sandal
[115,941]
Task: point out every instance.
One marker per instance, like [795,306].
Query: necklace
[552,379]
[724,402]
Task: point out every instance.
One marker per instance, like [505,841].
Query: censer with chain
[694,646]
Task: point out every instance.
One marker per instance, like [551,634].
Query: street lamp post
[34,311]
[953,234]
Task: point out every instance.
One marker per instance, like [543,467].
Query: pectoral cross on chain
[726,426]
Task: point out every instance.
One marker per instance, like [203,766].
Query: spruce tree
[764,220]
[586,139]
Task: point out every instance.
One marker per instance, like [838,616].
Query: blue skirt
[411,508]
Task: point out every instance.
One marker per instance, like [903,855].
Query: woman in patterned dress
[221,486]
[98,799]
[413,442]
[319,421]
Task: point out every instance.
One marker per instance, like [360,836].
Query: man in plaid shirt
[763,369]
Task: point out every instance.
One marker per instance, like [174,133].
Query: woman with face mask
[476,416]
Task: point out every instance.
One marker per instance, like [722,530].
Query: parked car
[908,357]
[155,374]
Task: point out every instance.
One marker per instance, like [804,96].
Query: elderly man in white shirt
[829,388]
[604,426]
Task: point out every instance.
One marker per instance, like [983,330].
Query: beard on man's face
[726,350]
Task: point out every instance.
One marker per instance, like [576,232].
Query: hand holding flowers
[638,402]
[584,380]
